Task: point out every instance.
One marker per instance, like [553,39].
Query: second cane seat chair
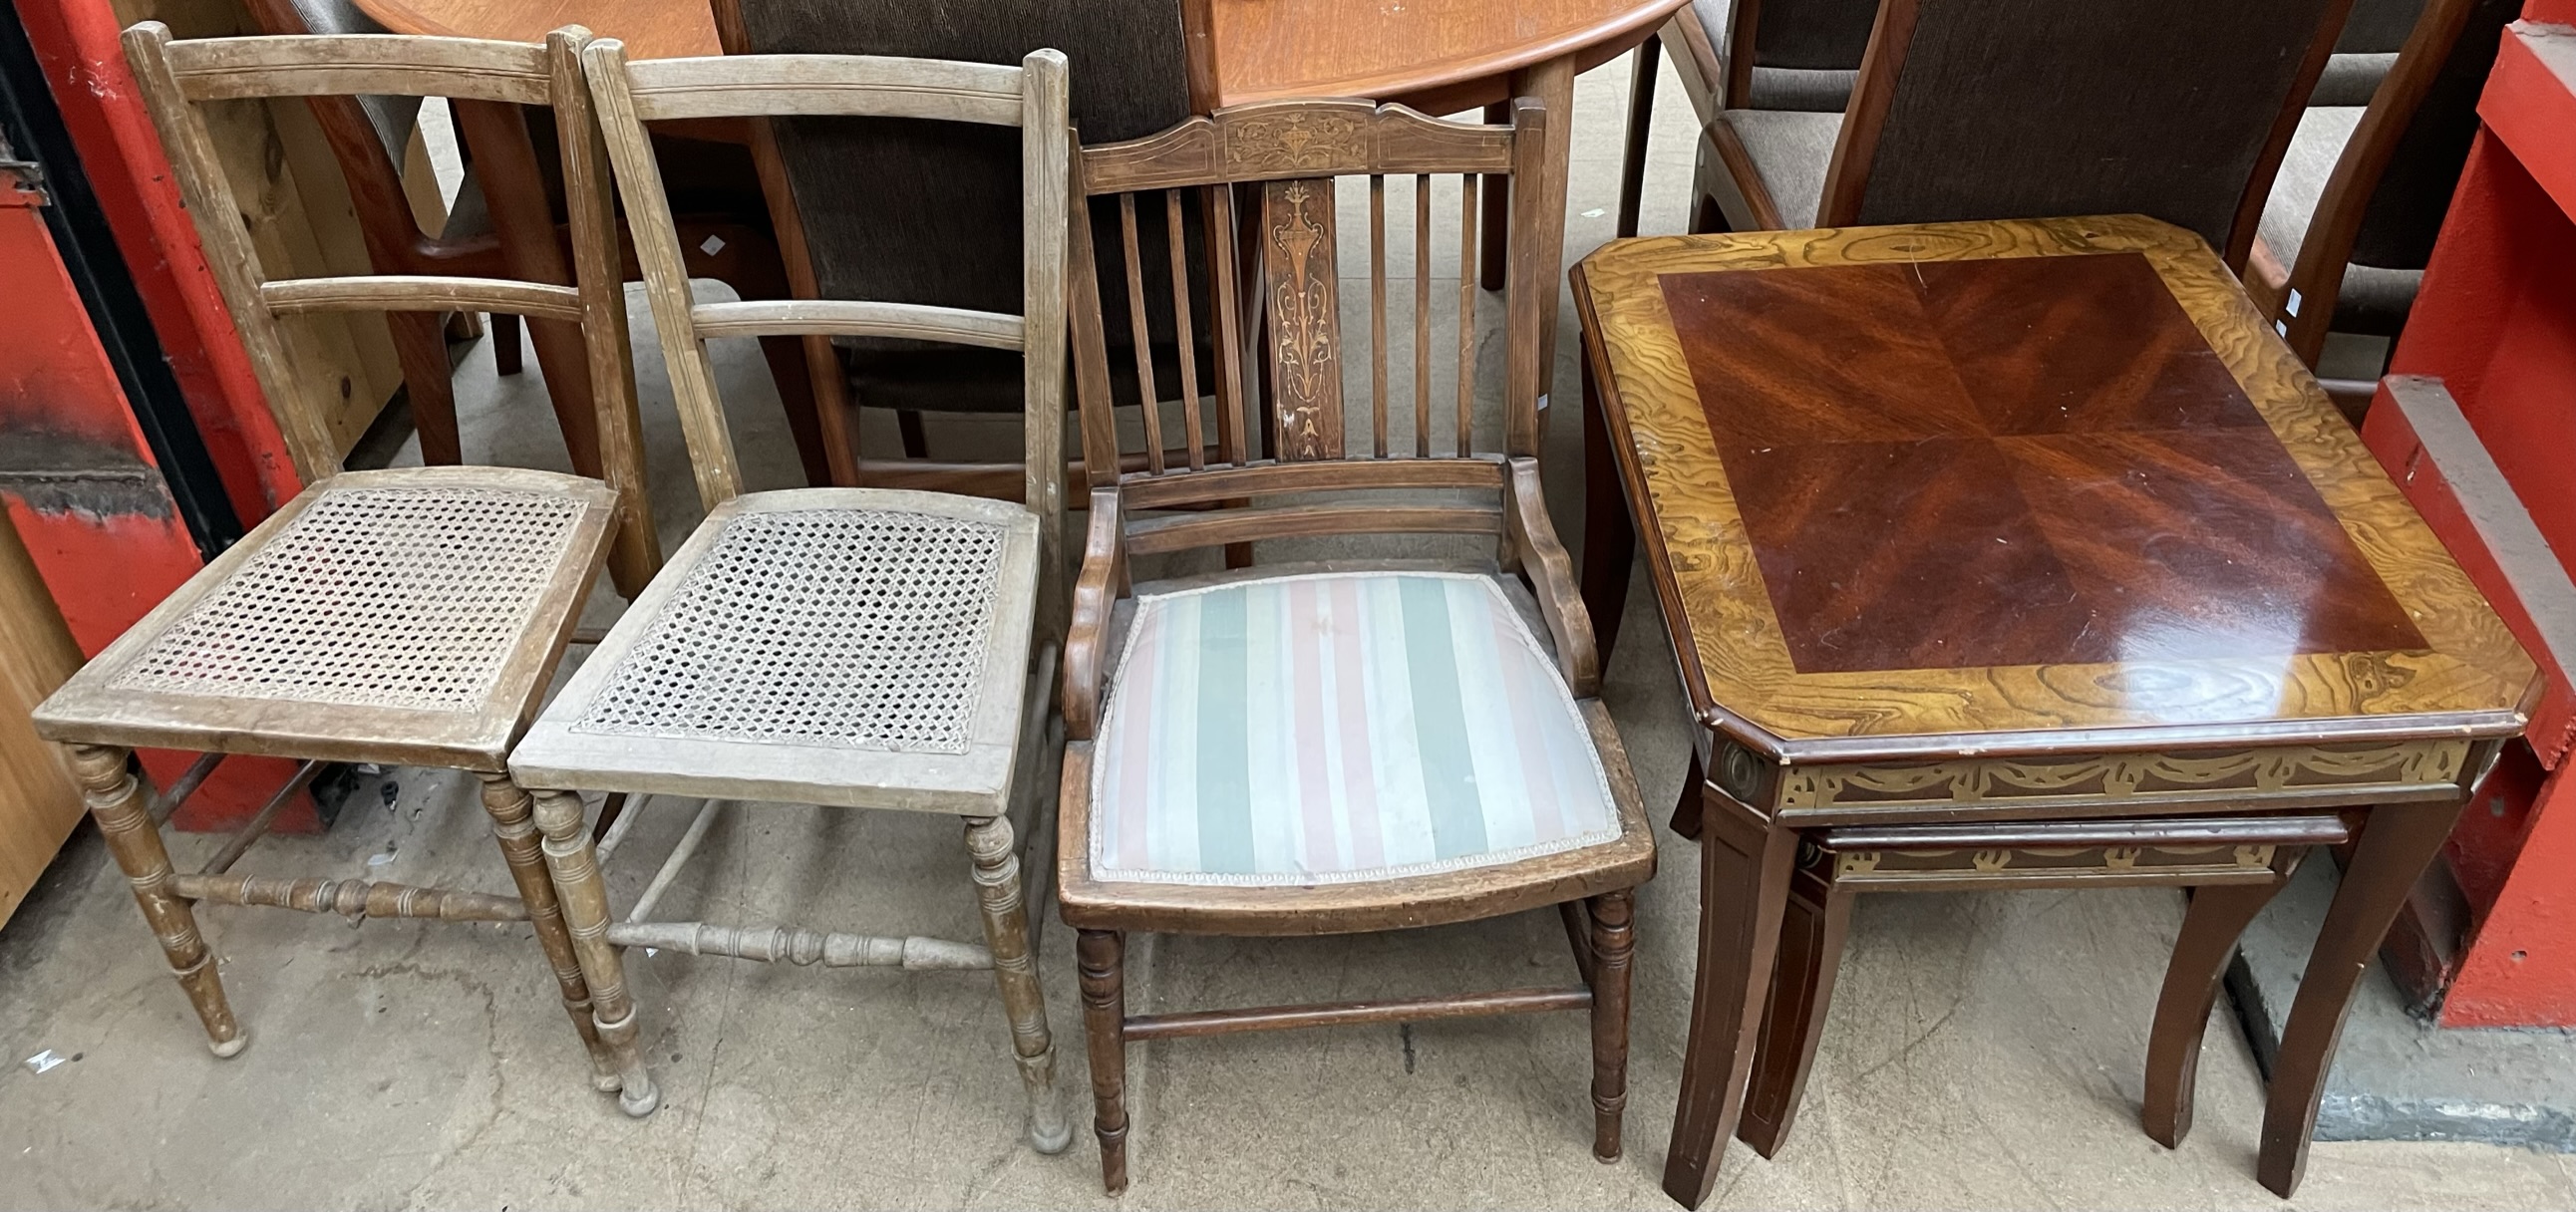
[845,647]
[1354,746]
[403,617]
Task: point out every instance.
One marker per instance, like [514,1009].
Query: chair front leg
[515,826]
[117,803]
[583,897]
[1006,932]
[1103,956]
[1613,943]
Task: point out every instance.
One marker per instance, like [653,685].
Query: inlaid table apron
[2004,528]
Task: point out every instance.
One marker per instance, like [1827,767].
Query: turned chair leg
[116,801]
[1813,927]
[516,829]
[583,898]
[1103,956]
[1006,932]
[1613,942]
[2210,928]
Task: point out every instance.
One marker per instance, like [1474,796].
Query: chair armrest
[1095,594]
[1551,576]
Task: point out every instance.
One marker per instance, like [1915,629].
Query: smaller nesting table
[2017,554]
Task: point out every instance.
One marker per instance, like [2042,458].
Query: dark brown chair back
[2414,192]
[2004,109]
[924,213]
[1806,53]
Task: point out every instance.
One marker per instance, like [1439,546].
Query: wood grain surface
[2350,670]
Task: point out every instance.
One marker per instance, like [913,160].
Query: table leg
[1744,890]
[506,163]
[2397,841]
[2210,928]
[1552,82]
[1609,536]
[1641,122]
[1812,934]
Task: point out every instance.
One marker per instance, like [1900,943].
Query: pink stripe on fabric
[1314,780]
[1351,712]
[1135,772]
[1520,686]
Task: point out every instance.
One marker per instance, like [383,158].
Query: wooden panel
[2048,440]
[2200,684]
[1304,289]
[39,802]
[1281,140]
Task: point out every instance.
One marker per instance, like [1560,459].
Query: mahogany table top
[2034,483]
[1263,49]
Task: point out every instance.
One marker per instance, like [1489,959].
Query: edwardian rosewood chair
[1308,749]
[406,617]
[849,647]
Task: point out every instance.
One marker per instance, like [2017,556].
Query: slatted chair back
[1030,96]
[1267,173]
[179,78]
[2001,109]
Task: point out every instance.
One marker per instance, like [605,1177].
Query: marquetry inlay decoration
[2125,777]
[1305,362]
[2028,862]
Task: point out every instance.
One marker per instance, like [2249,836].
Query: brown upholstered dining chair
[1377,745]
[1803,55]
[938,223]
[1997,109]
[411,616]
[723,217]
[2351,221]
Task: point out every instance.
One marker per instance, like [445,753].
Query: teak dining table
[1438,56]
[2030,532]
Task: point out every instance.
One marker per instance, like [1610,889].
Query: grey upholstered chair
[1999,109]
[916,213]
[2361,195]
[1805,54]
[2372,38]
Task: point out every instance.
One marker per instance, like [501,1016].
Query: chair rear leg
[116,801]
[1613,942]
[916,441]
[1006,932]
[583,897]
[1103,956]
[516,829]
[420,346]
[2210,928]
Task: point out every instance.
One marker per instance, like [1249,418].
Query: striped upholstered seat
[1336,728]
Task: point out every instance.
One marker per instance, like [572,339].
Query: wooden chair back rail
[409,292]
[1031,96]
[309,65]
[1150,535]
[1288,154]
[176,76]
[850,318]
[846,86]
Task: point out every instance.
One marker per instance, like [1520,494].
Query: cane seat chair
[410,616]
[846,647]
[1353,746]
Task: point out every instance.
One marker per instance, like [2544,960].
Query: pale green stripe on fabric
[1493,734]
[1225,775]
[1174,715]
[1439,720]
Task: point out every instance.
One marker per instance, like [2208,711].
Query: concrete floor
[1983,1050]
